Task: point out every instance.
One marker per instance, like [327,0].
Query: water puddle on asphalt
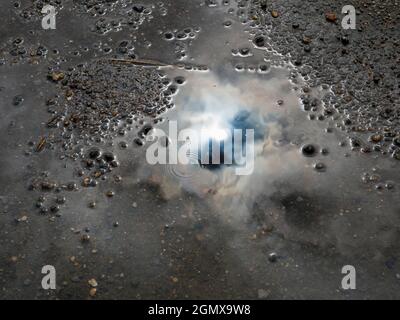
[298,159]
[238,90]
[305,200]
[219,80]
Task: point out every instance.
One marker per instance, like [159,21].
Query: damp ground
[80,102]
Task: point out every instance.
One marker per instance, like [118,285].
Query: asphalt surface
[77,191]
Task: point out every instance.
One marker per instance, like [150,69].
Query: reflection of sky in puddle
[232,100]
[222,99]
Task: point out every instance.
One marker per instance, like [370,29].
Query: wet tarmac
[81,103]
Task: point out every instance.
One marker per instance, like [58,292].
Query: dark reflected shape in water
[300,210]
[309,150]
[243,120]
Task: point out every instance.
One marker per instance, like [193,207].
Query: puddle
[309,200]
[298,163]
[240,90]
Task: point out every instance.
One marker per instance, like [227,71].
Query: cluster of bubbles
[261,68]
[310,151]
[188,33]
[384,141]
[363,93]
[100,103]
[33,10]
[375,179]
[124,12]
[242,52]
[105,99]
[181,39]
[105,16]
[51,198]
[18,50]
[129,15]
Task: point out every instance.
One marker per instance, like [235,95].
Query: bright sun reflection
[212,127]
[216,133]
